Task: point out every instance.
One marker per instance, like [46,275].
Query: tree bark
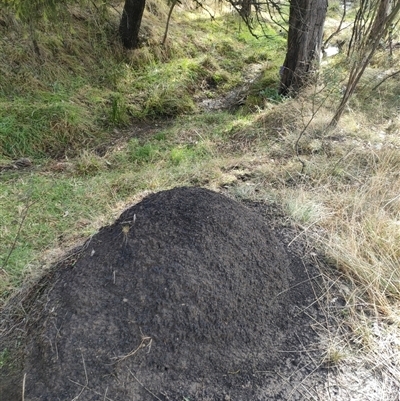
[245,9]
[381,16]
[168,20]
[306,24]
[130,23]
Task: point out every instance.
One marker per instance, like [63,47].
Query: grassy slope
[80,82]
[346,198]
[62,109]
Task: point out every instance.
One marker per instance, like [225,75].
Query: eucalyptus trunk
[306,24]
[383,12]
[130,23]
[245,9]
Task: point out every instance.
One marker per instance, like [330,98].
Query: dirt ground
[188,296]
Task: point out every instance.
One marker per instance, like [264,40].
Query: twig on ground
[23,387]
[149,391]
[86,380]
[105,397]
[143,344]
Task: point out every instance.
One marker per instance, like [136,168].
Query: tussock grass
[346,200]
[349,188]
[345,196]
[365,241]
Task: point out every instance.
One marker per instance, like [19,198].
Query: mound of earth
[188,296]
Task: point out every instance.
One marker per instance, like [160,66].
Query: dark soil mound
[188,296]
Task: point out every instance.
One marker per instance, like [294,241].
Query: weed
[140,154]
[178,155]
[271,94]
[89,164]
[4,357]
[119,112]
[182,154]
[161,136]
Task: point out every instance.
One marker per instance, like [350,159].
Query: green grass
[63,206]
[50,208]
[86,86]
[43,125]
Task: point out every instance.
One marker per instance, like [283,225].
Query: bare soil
[189,295]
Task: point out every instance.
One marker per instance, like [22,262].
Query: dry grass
[347,200]
[364,237]
[342,188]
[349,188]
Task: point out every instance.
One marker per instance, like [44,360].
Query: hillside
[104,127]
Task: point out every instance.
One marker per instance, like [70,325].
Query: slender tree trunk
[130,23]
[245,9]
[168,20]
[382,14]
[306,23]
[363,53]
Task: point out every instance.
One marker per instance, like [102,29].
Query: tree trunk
[306,24]
[380,19]
[168,20]
[245,9]
[130,23]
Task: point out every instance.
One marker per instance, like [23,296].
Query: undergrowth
[64,86]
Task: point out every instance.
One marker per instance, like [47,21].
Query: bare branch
[384,80]
[173,4]
[339,28]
